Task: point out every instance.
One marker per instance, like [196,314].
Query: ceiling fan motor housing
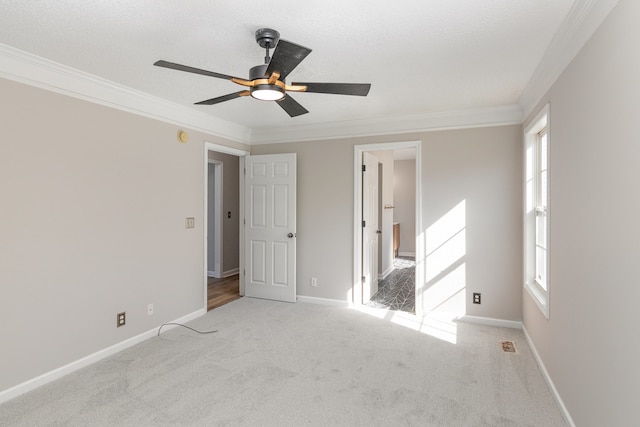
[258,72]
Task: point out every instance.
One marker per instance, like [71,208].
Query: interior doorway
[223,235]
[222,291]
[408,264]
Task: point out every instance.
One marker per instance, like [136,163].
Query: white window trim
[539,295]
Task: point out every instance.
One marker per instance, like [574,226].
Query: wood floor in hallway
[222,291]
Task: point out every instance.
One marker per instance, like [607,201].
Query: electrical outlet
[314,282]
[476,298]
[190,222]
[121,319]
[150,309]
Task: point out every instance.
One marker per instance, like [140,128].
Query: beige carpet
[279,364]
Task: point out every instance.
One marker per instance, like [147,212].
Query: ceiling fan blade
[358,89]
[223,98]
[188,69]
[286,57]
[291,106]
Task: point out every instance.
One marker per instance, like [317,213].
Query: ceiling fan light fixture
[267,92]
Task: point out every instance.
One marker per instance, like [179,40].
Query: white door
[369,227]
[270,227]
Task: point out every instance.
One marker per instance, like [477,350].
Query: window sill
[540,297]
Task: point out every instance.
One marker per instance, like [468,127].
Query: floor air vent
[508,346]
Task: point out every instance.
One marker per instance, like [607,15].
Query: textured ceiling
[421,56]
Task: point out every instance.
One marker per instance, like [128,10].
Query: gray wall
[94,202]
[478,173]
[590,343]
[404,200]
[482,167]
[230,203]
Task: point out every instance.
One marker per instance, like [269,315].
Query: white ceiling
[421,56]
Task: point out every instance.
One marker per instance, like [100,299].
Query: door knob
[290,235]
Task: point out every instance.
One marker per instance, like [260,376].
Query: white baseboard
[60,372]
[224,274]
[230,272]
[384,274]
[409,254]
[325,301]
[489,321]
[547,378]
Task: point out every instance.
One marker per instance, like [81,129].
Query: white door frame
[357,218]
[210,146]
[217,218]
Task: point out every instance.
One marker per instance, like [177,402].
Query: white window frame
[534,208]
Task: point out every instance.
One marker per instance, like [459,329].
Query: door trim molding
[356,288]
[210,146]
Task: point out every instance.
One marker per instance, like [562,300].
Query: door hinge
[364,168]
[364,279]
[364,223]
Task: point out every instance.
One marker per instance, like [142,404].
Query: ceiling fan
[267,82]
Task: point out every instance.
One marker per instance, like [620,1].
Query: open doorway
[223,205]
[398,275]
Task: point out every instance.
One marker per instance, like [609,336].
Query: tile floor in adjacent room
[398,290]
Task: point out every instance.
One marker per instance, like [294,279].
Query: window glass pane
[543,151]
[543,188]
[541,229]
[541,217]
[542,168]
[541,267]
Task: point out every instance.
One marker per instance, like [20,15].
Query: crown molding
[40,72]
[36,71]
[413,123]
[583,20]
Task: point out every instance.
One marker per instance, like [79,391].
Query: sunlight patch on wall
[448,292]
[443,257]
[445,267]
